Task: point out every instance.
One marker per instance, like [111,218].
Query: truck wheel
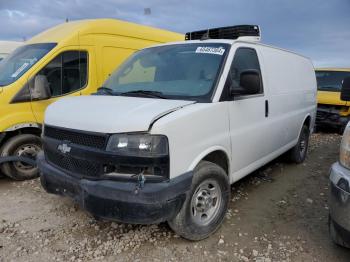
[298,153]
[206,204]
[335,236]
[24,145]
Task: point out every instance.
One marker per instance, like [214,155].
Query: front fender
[202,155]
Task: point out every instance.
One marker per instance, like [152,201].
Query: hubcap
[29,151]
[206,202]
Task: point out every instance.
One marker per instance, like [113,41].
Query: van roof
[103,26]
[230,42]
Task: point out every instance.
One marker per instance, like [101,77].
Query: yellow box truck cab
[72,59]
[331,110]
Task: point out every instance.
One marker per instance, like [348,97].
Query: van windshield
[330,80]
[21,60]
[181,71]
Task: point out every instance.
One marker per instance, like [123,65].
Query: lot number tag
[210,50]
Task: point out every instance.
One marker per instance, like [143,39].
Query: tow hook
[140,183]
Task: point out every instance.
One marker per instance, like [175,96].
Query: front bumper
[340,199]
[330,117]
[121,201]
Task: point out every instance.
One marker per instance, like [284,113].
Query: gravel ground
[278,213]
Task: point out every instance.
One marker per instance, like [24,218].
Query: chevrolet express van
[179,123]
[331,110]
[72,59]
[7,47]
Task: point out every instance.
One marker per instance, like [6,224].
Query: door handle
[266,108]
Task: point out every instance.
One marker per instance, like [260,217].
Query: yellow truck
[72,59]
[331,110]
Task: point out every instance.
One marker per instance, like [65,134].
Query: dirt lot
[278,213]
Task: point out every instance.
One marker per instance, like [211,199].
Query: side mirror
[41,88]
[249,84]
[345,90]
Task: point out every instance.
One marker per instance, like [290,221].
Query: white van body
[7,47]
[239,134]
[289,87]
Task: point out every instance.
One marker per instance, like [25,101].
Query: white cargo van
[175,125]
[7,47]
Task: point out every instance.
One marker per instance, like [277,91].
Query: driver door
[67,75]
[249,116]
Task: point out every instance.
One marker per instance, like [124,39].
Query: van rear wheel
[298,153]
[25,145]
[206,204]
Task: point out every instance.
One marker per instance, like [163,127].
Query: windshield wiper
[105,91]
[148,93]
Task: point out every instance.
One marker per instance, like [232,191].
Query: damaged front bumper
[330,116]
[122,201]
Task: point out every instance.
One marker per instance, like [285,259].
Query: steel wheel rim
[206,202]
[28,150]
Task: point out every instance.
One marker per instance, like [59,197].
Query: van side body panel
[292,85]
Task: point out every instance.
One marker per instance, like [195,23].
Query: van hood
[330,98]
[110,114]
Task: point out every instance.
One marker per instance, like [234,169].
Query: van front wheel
[24,145]
[206,204]
[298,153]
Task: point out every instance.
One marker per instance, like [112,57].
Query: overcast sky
[319,29]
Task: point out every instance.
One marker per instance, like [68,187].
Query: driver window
[66,73]
[244,59]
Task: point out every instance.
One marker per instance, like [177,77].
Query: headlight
[138,145]
[344,157]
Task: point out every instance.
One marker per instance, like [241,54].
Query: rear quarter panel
[292,89]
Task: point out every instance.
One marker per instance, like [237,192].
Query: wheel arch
[25,128]
[217,155]
[308,121]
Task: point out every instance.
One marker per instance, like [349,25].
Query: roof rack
[246,32]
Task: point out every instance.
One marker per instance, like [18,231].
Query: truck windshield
[21,60]
[330,80]
[181,71]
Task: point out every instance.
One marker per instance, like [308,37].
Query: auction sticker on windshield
[210,50]
[19,70]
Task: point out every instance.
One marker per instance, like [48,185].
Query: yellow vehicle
[70,59]
[331,110]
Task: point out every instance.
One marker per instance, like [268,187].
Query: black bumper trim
[343,233]
[119,201]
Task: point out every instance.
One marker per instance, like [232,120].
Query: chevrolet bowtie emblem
[64,148]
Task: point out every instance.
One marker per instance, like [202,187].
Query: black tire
[298,153]
[184,223]
[335,236]
[21,145]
